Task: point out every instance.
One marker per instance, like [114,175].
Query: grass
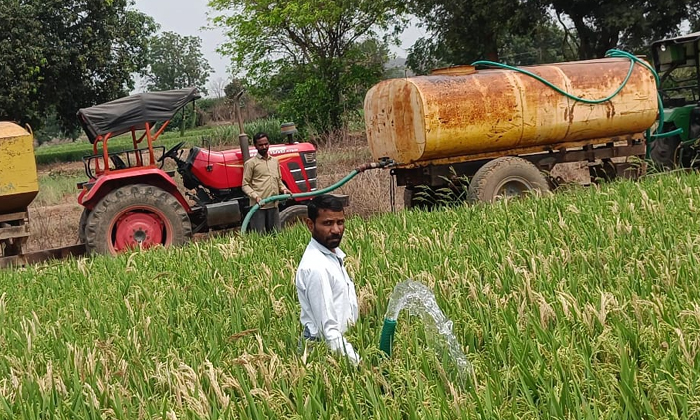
[579,305]
[56,188]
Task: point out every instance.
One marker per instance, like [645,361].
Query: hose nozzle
[382,163]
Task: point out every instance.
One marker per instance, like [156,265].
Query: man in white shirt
[326,292]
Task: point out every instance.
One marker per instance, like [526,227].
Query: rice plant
[580,305]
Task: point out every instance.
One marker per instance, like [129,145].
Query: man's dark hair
[258,136]
[324,202]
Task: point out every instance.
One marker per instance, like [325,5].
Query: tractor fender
[94,192]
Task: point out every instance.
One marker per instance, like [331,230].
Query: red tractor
[132,202]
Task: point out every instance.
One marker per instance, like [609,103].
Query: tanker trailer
[502,128]
[19,185]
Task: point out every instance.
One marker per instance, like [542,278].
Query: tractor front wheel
[292,215]
[136,216]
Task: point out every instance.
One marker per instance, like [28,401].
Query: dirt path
[53,226]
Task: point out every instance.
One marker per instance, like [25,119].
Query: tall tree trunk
[586,47]
[491,47]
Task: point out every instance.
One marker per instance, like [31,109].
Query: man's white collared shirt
[327,296]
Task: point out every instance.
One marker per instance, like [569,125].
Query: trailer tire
[506,177]
[134,216]
[662,151]
[292,215]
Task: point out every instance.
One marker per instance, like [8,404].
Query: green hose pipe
[387,336]
[555,88]
[611,53]
[282,197]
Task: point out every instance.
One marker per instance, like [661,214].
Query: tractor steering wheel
[172,152]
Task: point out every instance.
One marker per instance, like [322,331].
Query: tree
[548,43]
[464,31]
[218,87]
[629,24]
[61,55]
[176,62]
[308,52]
[233,88]
[309,98]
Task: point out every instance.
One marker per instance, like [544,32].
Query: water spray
[419,300]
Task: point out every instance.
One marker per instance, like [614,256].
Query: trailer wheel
[292,215]
[662,151]
[82,224]
[504,178]
[136,216]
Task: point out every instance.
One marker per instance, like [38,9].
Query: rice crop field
[578,305]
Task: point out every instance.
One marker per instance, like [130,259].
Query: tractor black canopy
[133,112]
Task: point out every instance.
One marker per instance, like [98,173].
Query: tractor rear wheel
[504,178]
[82,224]
[136,216]
[292,215]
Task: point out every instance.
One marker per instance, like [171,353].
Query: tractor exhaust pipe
[242,137]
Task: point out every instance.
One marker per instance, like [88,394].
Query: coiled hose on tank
[372,165]
[658,133]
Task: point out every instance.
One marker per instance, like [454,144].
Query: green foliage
[51,129]
[227,135]
[524,32]
[206,104]
[581,305]
[627,24]
[547,43]
[59,56]
[55,187]
[462,32]
[233,88]
[312,56]
[21,74]
[189,116]
[176,62]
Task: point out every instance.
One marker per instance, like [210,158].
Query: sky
[189,17]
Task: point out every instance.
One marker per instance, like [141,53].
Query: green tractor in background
[676,62]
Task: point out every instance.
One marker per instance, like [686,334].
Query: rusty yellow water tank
[19,182]
[467,112]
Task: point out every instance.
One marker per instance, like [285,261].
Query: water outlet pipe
[387,337]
